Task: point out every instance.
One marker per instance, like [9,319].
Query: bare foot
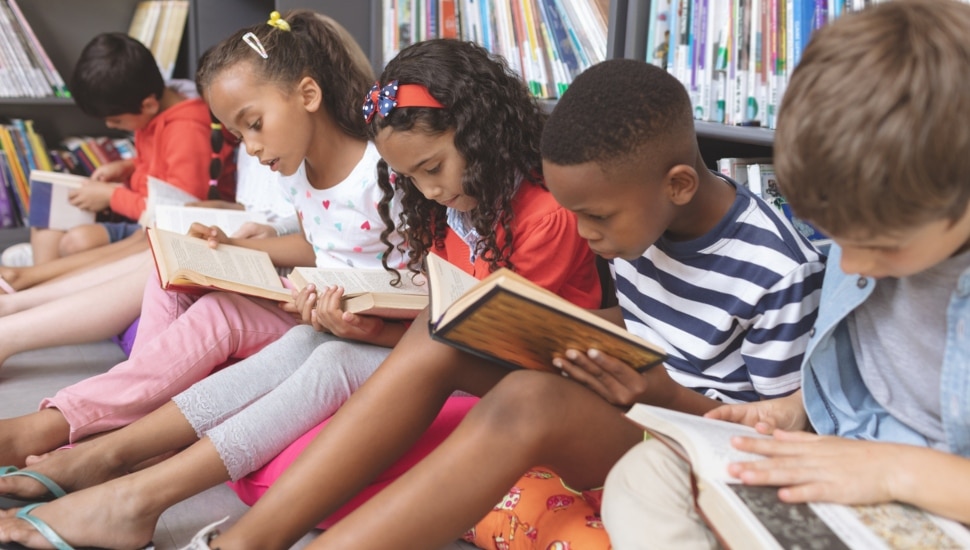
[71,469]
[31,434]
[110,515]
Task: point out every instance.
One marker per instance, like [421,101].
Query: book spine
[53,76]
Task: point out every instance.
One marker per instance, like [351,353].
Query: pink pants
[253,486]
[181,339]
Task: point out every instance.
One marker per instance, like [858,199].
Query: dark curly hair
[497,127]
[316,46]
[618,108]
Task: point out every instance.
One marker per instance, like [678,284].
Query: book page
[179,219]
[892,526]
[227,263]
[359,281]
[162,192]
[707,441]
[448,284]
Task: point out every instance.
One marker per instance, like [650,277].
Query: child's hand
[328,316]
[615,380]
[253,230]
[210,233]
[783,413]
[304,301]
[93,196]
[115,171]
[812,468]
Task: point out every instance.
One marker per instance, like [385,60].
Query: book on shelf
[511,320]
[189,264]
[159,25]
[762,180]
[49,79]
[9,207]
[50,206]
[369,291]
[752,517]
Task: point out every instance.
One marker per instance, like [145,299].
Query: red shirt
[546,248]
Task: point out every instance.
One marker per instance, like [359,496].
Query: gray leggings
[253,409]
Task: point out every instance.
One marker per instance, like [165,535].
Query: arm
[812,468]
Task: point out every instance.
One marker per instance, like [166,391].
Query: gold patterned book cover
[514,321]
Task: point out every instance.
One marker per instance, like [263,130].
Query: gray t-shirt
[899,335]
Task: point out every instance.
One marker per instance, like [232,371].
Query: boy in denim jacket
[872,146]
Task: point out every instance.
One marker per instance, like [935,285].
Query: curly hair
[316,46]
[615,109]
[497,126]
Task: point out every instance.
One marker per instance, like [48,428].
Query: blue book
[560,38]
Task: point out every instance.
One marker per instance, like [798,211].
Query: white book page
[893,525]
[360,281]
[196,255]
[179,219]
[162,192]
[448,283]
[706,441]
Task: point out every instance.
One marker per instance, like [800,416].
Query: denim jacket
[837,400]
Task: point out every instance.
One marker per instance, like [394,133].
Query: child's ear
[682,182]
[310,93]
[150,106]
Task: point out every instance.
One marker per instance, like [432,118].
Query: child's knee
[82,238]
[524,402]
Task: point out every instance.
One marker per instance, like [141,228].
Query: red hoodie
[173,147]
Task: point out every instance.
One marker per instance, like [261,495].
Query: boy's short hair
[874,129]
[114,74]
[618,108]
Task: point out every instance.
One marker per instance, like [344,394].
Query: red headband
[385,99]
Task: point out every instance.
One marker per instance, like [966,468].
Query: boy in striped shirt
[713,274]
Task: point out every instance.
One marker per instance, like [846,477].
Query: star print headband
[276,21]
[385,99]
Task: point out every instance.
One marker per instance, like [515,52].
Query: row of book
[23,150]
[758,175]
[159,25]
[547,42]
[25,68]
[735,56]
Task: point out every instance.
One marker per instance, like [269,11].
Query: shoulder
[534,204]
[192,111]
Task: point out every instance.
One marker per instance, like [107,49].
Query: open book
[179,219]
[162,192]
[509,319]
[188,264]
[369,291]
[752,517]
[49,204]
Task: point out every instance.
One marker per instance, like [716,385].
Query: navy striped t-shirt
[732,308]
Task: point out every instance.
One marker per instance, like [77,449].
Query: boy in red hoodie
[117,79]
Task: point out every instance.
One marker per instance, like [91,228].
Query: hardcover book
[513,321]
[369,291]
[752,517]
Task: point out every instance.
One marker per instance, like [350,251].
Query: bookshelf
[626,37]
[64,28]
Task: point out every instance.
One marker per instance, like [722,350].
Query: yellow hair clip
[277,21]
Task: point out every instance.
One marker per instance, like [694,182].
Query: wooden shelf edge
[43,101]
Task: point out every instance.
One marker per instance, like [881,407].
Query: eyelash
[256,125]
[434,170]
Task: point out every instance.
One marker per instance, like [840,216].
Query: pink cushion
[251,487]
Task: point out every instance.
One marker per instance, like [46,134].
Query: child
[619,150]
[208,331]
[505,217]
[866,149]
[121,283]
[117,79]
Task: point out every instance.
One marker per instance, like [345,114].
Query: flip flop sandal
[53,489]
[45,530]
